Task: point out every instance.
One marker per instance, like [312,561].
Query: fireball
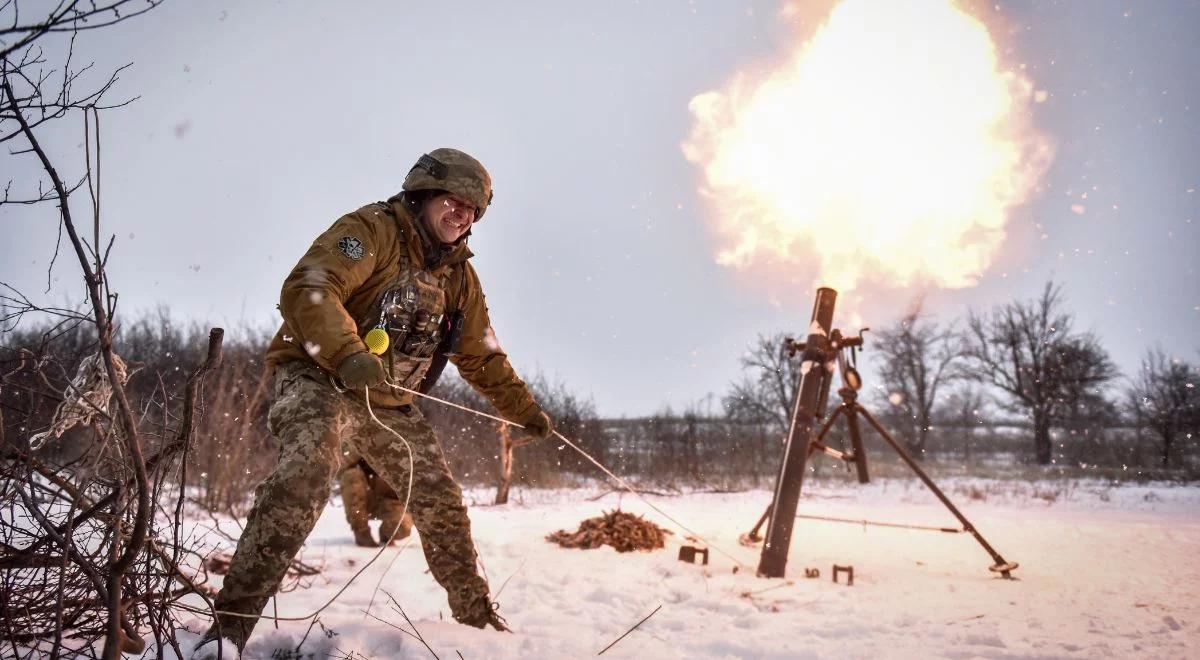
[890,149]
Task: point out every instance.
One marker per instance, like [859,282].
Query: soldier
[393,276]
[364,496]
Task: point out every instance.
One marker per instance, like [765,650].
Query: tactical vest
[413,311]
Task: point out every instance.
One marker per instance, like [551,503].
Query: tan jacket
[328,298]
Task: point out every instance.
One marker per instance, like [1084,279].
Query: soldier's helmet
[453,171]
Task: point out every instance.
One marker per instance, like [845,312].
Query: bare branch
[1028,351]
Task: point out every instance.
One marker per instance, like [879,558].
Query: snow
[1104,571]
[213,650]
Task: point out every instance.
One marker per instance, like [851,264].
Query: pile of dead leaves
[623,531]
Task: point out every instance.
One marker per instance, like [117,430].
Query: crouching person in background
[366,496]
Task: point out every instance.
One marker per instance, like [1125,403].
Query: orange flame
[890,149]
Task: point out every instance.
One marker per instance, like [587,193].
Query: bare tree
[1163,399]
[81,555]
[1029,352]
[1086,411]
[767,393]
[964,408]
[918,357]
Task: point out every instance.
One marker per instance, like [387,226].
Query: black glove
[537,427]
[361,369]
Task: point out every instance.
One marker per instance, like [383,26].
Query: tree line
[1017,380]
[1021,364]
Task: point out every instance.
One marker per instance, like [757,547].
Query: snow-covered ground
[1105,572]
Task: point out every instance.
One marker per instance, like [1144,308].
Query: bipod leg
[1004,568]
[812,448]
[752,537]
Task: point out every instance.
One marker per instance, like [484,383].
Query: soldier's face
[448,217]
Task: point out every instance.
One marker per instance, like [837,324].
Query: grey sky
[260,123]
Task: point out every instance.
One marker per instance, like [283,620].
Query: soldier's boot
[363,537]
[356,492]
[393,528]
[386,504]
[481,613]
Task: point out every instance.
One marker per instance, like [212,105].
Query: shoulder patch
[351,247]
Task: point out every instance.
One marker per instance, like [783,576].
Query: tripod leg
[860,453]
[1001,566]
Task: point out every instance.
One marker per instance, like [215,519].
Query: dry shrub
[1049,495]
[623,531]
[233,450]
[971,491]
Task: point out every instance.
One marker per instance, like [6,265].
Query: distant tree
[1028,351]
[1163,399]
[767,393]
[918,356]
[963,408]
[1085,410]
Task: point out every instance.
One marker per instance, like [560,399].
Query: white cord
[366,396]
[624,484]
[384,547]
[648,503]
[452,404]
[385,572]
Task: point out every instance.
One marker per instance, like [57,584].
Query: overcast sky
[259,123]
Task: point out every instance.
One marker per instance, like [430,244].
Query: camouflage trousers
[311,418]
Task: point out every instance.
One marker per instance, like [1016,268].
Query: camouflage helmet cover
[453,171]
